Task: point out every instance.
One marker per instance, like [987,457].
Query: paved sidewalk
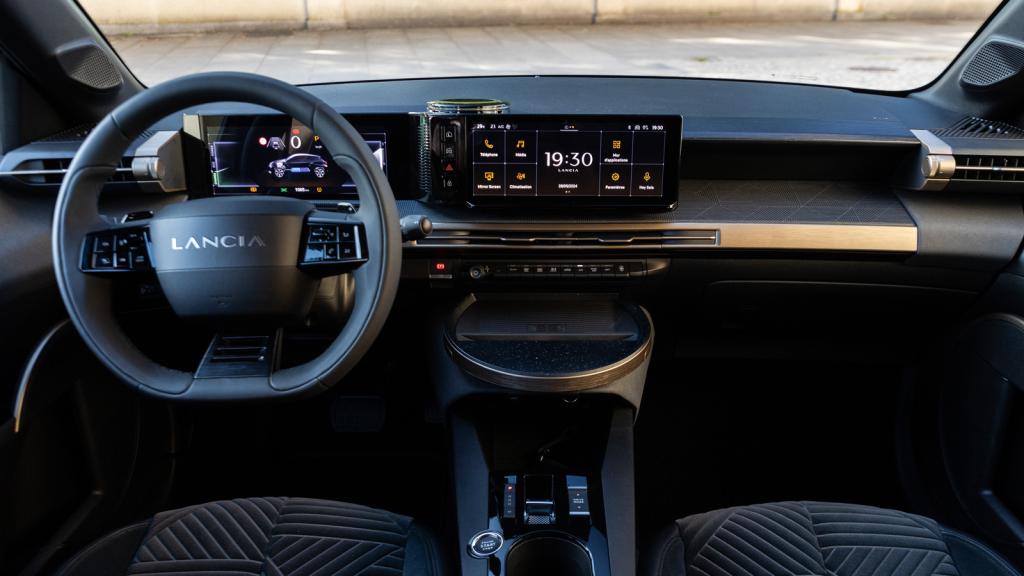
[881,55]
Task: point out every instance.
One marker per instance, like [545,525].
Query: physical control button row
[566,270]
[331,243]
[118,250]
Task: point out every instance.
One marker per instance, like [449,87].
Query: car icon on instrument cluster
[298,164]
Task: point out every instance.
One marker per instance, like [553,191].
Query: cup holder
[548,555]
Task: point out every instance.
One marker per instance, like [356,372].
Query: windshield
[880,45]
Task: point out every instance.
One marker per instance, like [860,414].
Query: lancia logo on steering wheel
[227,241]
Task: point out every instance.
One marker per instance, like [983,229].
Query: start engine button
[486,544]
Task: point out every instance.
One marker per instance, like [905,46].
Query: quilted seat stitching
[266,537]
[768,519]
[771,545]
[241,529]
[862,517]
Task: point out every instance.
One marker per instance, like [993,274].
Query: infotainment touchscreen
[274,154]
[615,159]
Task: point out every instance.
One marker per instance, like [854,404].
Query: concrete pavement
[880,55]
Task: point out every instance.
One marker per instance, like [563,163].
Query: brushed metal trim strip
[733,235]
[933,143]
[990,168]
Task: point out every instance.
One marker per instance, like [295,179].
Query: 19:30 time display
[571,159]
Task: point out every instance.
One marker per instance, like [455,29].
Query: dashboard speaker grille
[89,65]
[974,127]
[993,64]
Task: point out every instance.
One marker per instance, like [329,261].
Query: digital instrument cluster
[275,154]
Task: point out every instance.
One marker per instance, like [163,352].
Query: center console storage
[544,486]
[544,344]
[541,392]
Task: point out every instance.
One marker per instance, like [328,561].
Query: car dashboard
[557,179]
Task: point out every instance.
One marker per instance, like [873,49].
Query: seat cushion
[820,539]
[265,536]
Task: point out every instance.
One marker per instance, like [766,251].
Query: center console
[541,392]
[544,487]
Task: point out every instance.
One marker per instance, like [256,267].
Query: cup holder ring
[548,554]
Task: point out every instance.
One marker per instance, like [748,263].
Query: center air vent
[989,168]
[496,238]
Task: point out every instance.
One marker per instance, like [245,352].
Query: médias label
[240,241]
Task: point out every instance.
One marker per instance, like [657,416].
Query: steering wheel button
[139,259]
[103,261]
[323,233]
[121,260]
[103,244]
[314,254]
[133,238]
[347,233]
[347,250]
[331,252]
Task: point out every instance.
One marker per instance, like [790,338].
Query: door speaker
[995,64]
[89,65]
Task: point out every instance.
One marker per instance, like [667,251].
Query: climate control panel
[547,270]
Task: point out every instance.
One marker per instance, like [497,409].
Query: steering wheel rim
[88,298]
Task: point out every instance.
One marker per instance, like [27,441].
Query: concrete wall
[153,16]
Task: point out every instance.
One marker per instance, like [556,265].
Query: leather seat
[265,536]
[814,538]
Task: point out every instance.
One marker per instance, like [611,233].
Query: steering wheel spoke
[332,243]
[117,251]
[248,354]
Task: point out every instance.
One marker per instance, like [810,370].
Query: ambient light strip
[732,235]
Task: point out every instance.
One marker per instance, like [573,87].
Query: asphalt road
[878,55]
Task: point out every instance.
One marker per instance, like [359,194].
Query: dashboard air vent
[491,239]
[989,168]
[974,127]
[51,171]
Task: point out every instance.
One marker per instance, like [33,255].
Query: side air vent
[974,127]
[156,163]
[492,239]
[51,171]
[968,163]
[989,168]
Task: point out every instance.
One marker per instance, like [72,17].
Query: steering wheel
[257,259]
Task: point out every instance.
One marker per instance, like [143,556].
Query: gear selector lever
[539,492]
